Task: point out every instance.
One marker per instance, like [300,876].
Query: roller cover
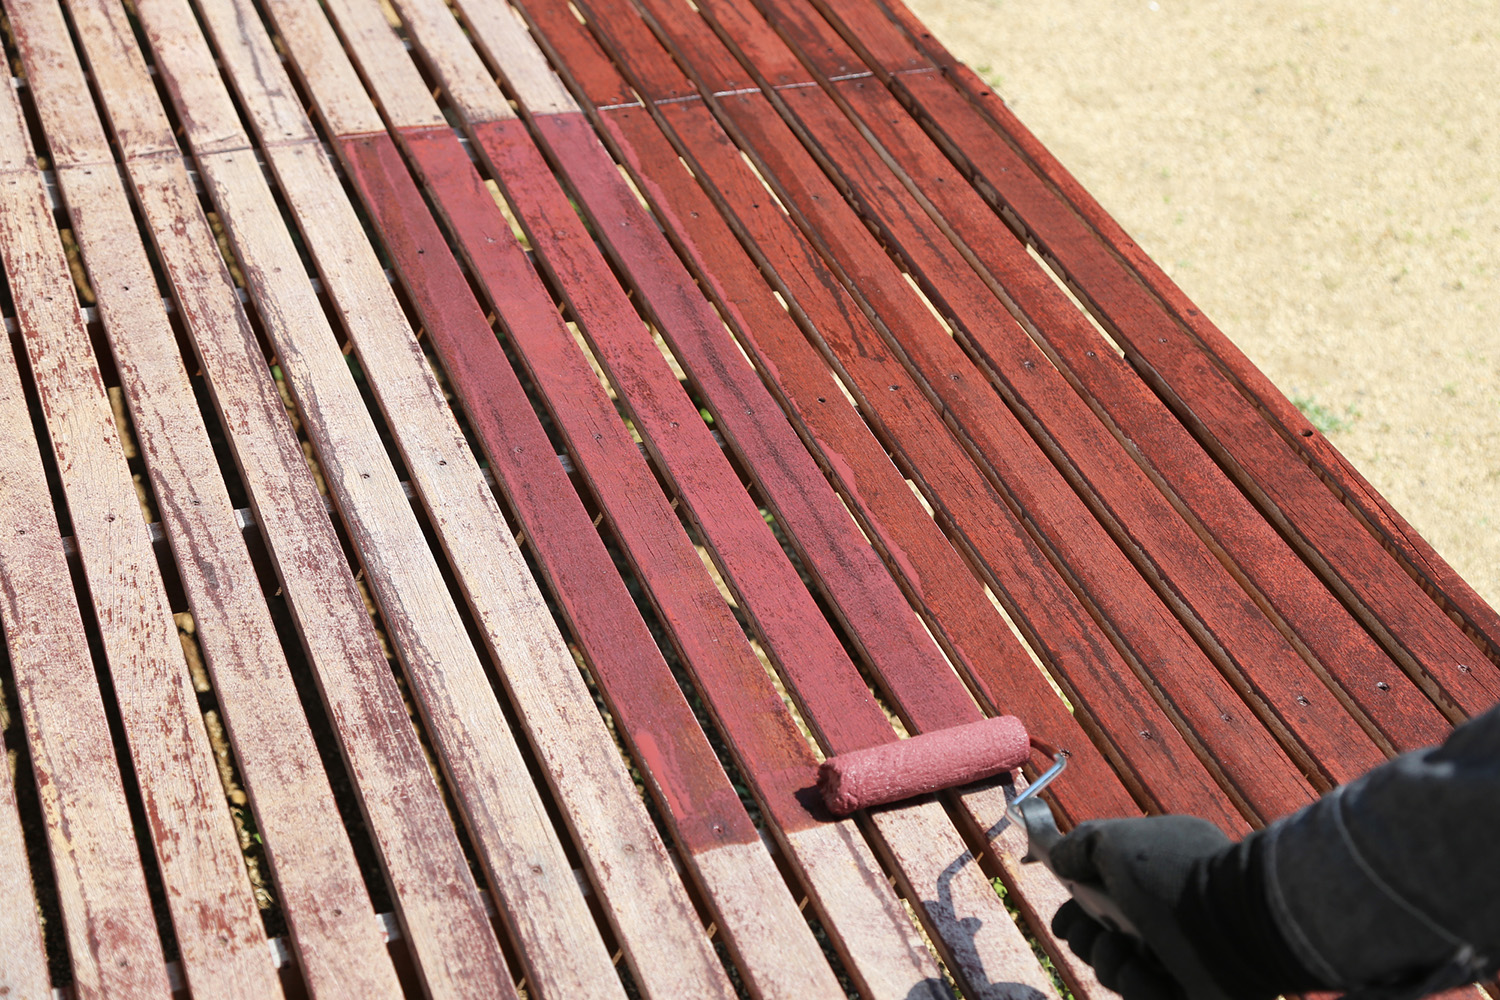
[926,763]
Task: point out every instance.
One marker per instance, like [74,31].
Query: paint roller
[947,758]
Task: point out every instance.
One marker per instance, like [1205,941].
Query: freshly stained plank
[863,360]
[1280,581]
[217,924]
[1290,699]
[333,930]
[619,846]
[440,909]
[912,543]
[713,157]
[1224,403]
[1037,893]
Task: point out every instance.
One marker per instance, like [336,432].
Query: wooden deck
[466,464]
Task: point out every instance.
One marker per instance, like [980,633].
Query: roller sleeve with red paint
[921,764]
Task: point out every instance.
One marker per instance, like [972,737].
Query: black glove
[1197,902]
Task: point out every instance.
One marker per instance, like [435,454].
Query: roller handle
[1035,817]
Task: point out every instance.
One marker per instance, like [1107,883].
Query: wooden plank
[901,957]
[423,620]
[442,914]
[113,947]
[217,924]
[23,963]
[320,889]
[647,905]
[1225,403]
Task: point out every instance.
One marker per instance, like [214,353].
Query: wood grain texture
[447,678]
[217,924]
[113,947]
[751,905]
[1275,682]
[333,931]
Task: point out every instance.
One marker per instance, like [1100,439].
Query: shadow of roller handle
[1032,814]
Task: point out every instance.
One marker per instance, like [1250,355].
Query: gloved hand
[1195,898]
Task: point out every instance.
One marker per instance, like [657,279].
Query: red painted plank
[650,709]
[1289,698]
[872,608]
[769,748]
[1175,460]
[1190,680]
[1061,628]
[839,707]
[935,574]
[1221,397]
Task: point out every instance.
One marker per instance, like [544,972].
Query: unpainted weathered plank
[441,912]
[458,703]
[333,930]
[217,924]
